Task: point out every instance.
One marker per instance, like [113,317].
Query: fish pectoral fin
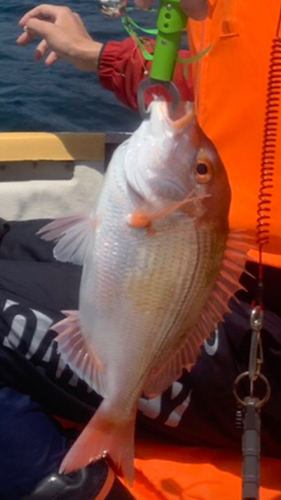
[74,351]
[73,235]
[148,212]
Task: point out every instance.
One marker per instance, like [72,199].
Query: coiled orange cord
[269,147]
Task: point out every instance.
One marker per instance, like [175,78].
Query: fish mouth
[180,118]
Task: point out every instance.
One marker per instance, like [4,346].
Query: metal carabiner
[256,322]
[251,406]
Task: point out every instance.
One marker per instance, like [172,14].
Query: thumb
[36,27]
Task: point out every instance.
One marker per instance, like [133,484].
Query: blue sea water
[34,97]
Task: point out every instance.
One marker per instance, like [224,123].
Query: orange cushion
[169,472]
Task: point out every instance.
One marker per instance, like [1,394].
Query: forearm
[122,67]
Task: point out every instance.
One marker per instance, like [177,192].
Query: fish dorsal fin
[233,264]
[76,354]
[73,235]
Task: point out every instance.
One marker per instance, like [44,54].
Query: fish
[160,264]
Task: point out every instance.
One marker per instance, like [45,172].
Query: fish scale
[187,299]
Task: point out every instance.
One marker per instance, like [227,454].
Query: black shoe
[85,484]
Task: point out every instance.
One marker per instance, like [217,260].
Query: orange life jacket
[231,88]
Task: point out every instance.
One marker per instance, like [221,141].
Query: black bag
[199,409]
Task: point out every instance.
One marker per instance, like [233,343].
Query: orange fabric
[166,472]
[230,88]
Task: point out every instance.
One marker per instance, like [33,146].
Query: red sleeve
[122,67]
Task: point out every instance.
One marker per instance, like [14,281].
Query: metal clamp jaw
[170,23]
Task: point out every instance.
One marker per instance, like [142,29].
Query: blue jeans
[31,444]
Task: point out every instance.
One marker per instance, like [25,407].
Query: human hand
[196,9]
[63,36]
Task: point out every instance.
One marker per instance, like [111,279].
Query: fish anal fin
[74,351]
[103,435]
[160,380]
[73,234]
[226,285]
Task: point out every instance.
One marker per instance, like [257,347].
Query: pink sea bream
[159,266]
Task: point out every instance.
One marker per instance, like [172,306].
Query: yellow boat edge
[44,146]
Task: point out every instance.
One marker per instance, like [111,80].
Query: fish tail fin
[103,436]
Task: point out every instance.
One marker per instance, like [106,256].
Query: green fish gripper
[171,22]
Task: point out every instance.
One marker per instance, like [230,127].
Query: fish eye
[203,171]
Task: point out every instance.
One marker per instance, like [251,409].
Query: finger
[41,11]
[196,9]
[41,50]
[143,4]
[35,27]
[51,59]
[25,38]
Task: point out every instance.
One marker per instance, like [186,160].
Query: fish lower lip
[180,111]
